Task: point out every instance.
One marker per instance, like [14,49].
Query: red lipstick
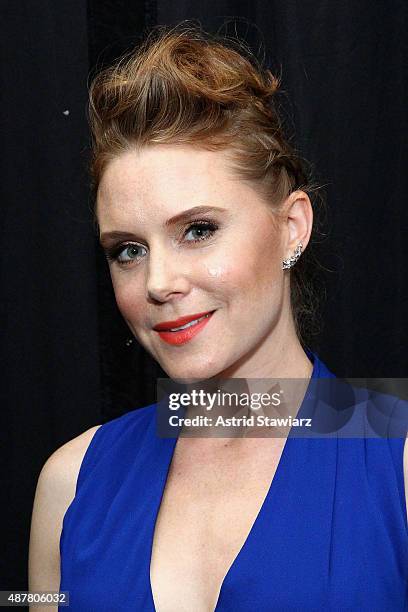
[183,335]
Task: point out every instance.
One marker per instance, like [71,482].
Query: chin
[189,377]
[192,373]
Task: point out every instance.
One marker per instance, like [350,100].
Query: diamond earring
[288,263]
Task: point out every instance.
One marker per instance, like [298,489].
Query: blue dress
[331,534]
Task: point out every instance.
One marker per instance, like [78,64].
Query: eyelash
[113,253]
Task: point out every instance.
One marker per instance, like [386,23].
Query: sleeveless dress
[331,534]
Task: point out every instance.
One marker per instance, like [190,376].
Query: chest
[331,535]
[209,505]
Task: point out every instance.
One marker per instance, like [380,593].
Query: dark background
[64,360]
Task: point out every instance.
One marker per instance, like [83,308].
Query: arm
[54,493]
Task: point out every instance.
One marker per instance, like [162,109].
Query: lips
[167,325]
[183,336]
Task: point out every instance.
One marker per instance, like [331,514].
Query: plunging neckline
[272,489]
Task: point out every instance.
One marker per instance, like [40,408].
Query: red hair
[184,86]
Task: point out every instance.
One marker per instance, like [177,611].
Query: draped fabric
[331,533]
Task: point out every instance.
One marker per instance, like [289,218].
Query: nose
[165,275]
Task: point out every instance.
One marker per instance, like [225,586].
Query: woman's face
[172,261]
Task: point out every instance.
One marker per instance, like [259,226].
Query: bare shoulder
[55,491]
[406,471]
[60,471]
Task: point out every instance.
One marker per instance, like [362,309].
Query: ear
[298,221]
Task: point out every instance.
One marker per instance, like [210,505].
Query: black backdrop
[64,359]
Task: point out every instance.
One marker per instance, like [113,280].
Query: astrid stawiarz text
[244,421]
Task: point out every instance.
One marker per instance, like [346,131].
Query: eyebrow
[106,237]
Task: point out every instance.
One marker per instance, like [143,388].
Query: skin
[238,271]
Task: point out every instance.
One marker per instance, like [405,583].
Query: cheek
[253,270]
[129,299]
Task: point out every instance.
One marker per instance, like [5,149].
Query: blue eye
[205,230]
[116,254]
[131,251]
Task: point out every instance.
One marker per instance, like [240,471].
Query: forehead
[163,180]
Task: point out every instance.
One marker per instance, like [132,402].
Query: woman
[204,214]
